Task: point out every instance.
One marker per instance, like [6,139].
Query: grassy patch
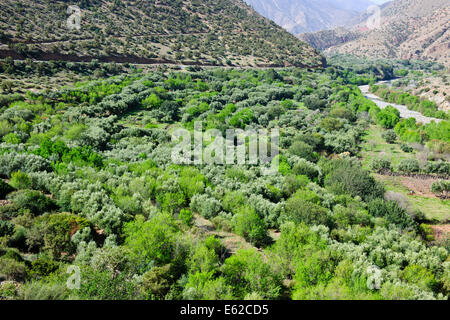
[433,208]
[375,146]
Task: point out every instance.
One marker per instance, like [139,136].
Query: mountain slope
[410,29]
[299,16]
[208,32]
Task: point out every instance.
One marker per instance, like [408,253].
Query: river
[404,111]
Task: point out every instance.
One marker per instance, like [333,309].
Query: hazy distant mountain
[298,16]
[409,29]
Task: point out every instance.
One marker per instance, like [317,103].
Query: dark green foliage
[157,282]
[56,231]
[392,212]
[405,148]
[409,166]
[303,150]
[6,228]
[347,177]
[390,136]
[32,200]
[42,267]
[380,165]
[300,210]
[5,189]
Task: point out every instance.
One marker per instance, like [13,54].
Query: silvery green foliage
[11,162]
[326,199]
[390,251]
[67,190]
[85,252]
[214,174]
[391,289]
[321,230]
[43,126]
[205,205]
[110,241]
[162,155]
[117,104]
[94,204]
[267,210]
[130,149]
[341,141]
[238,95]
[82,235]
[19,148]
[17,112]
[46,181]
[99,132]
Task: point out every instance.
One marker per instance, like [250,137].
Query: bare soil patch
[441,232]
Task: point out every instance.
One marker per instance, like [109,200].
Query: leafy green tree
[152,241]
[349,178]
[249,225]
[247,273]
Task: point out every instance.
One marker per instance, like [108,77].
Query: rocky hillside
[299,16]
[409,29]
[207,32]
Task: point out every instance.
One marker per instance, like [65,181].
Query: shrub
[202,286]
[392,212]
[405,148]
[388,117]
[156,283]
[247,272]
[299,210]
[12,269]
[409,166]
[40,290]
[292,183]
[390,136]
[249,225]
[32,200]
[6,228]
[20,180]
[303,150]
[438,167]
[331,124]
[57,230]
[152,240]
[306,168]
[349,178]
[186,216]
[241,118]
[441,188]
[11,162]
[206,206]
[380,165]
[42,267]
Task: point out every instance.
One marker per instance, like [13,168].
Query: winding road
[404,111]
